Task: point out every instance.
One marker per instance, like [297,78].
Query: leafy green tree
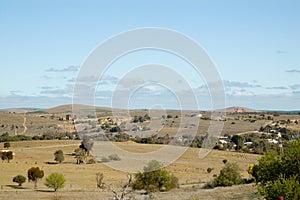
[228,176]
[59,156]
[55,181]
[154,179]
[19,179]
[34,174]
[289,188]
[238,140]
[279,174]
[6,145]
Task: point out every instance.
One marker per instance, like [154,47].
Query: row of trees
[54,180]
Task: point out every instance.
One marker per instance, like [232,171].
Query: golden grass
[81,178]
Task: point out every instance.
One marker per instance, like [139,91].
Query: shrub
[114,157]
[279,174]
[55,181]
[209,170]
[92,161]
[209,185]
[19,179]
[287,188]
[6,145]
[104,159]
[154,179]
[228,176]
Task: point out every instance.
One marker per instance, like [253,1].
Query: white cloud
[293,71]
[71,68]
[242,93]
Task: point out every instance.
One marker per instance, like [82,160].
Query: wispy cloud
[295,86]
[71,68]
[46,77]
[15,92]
[293,71]
[281,52]
[237,84]
[277,88]
[52,91]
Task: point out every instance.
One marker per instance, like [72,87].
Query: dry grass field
[80,179]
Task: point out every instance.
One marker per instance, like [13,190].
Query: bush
[154,179]
[92,161]
[114,157]
[209,170]
[19,179]
[6,145]
[228,176]
[55,181]
[209,185]
[287,188]
[278,175]
[104,159]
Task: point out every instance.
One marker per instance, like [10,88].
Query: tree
[6,145]
[55,181]
[279,174]
[154,179]
[121,193]
[34,174]
[238,140]
[99,179]
[59,156]
[228,176]
[86,144]
[7,155]
[19,179]
[80,154]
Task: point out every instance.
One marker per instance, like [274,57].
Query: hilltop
[236,109]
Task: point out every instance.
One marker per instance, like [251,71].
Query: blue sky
[254,44]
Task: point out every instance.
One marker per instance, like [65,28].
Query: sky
[254,45]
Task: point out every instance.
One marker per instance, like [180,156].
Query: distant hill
[240,110]
[20,110]
[68,108]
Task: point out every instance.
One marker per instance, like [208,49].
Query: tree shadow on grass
[51,163]
[44,190]
[16,187]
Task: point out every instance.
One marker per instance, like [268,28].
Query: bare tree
[119,195]
[99,179]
